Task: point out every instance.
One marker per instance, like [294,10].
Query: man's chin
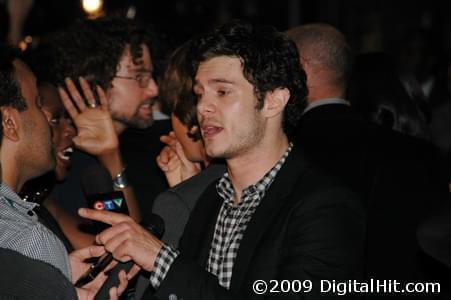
[140,123]
[135,122]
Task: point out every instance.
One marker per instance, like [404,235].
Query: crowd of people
[262,155]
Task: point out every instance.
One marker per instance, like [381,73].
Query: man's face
[230,123]
[130,101]
[35,153]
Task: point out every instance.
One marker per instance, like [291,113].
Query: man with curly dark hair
[114,53]
[118,55]
[272,215]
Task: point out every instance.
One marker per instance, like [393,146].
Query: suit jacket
[307,227]
[397,176]
[176,204]
[336,138]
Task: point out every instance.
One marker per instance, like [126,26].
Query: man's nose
[152,89]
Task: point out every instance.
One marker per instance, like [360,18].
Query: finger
[112,264]
[102,97]
[161,164]
[80,103]
[165,154]
[87,92]
[88,252]
[168,139]
[104,216]
[181,154]
[113,293]
[67,102]
[123,282]
[114,236]
[174,163]
[133,271]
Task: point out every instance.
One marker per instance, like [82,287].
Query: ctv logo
[112,204]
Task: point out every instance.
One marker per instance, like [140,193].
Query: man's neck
[250,167]
[322,89]
[11,181]
[10,170]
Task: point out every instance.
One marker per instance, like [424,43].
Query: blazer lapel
[268,209]
[199,230]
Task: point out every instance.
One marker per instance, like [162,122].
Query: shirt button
[30,213]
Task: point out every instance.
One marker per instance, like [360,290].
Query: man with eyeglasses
[114,53]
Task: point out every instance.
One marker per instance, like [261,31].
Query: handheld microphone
[155,225]
[96,180]
[97,186]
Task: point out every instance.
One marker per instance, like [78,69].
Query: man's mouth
[209,131]
[146,107]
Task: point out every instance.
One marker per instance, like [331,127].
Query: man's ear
[275,102]
[10,123]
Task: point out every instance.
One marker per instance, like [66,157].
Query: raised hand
[96,133]
[173,161]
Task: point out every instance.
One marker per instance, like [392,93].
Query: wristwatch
[120,182]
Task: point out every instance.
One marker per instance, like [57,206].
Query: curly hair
[269,60]
[93,49]
[10,93]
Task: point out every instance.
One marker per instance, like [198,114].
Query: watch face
[120,182]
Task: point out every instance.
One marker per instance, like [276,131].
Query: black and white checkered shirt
[231,223]
[21,231]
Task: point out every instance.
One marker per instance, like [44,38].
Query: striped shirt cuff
[162,264]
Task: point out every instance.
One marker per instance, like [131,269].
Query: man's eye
[222,92]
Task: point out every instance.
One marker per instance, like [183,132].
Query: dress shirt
[21,231]
[325,102]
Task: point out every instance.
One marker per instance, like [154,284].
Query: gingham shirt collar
[233,220]
[225,189]
[13,199]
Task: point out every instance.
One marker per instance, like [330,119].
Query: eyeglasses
[143,79]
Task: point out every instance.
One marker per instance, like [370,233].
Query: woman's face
[62,129]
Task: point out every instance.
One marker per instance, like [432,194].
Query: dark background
[369,25]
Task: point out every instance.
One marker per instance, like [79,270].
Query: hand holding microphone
[126,238]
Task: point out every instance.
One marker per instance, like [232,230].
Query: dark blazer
[24,278]
[306,227]
[176,204]
[336,138]
[397,176]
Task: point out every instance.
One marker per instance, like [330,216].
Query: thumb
[78,142]
[88,252]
